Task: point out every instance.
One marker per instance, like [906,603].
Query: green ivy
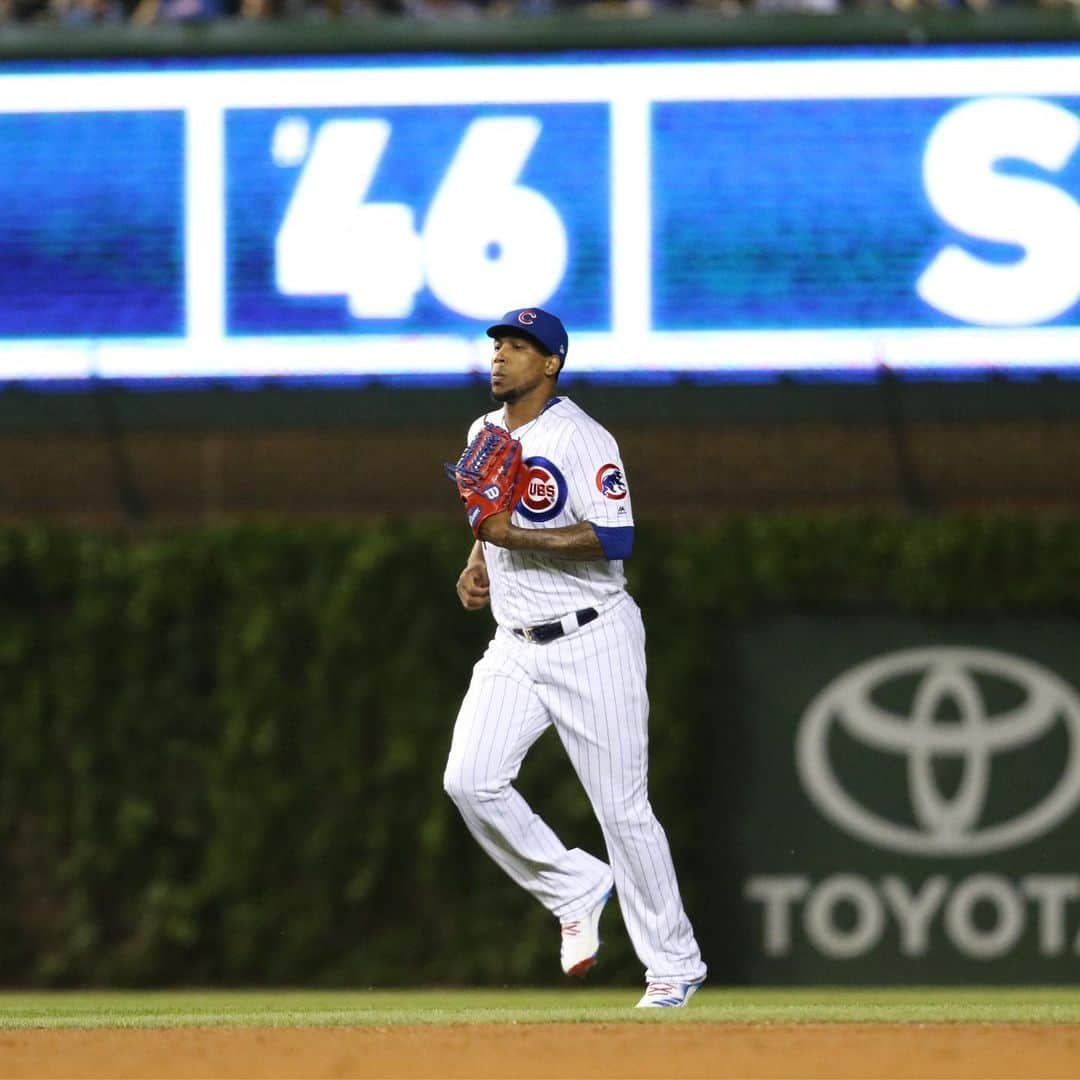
[222,749]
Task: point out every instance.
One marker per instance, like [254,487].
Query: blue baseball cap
[540,325]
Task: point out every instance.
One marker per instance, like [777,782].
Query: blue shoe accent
[665,995]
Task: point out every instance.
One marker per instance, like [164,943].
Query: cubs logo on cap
[545,491]
[544,328]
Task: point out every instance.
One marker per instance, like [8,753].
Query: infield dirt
[540,1051]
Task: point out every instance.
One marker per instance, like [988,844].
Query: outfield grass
[298,1008]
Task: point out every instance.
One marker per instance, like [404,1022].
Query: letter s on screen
[969,192]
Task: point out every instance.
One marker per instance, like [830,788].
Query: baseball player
[568,650]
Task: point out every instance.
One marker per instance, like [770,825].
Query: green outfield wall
[222,753]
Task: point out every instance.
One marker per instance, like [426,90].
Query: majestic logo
[545,491]
[610,482]
[527,317]
[942,682]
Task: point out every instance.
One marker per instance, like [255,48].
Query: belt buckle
[527,633]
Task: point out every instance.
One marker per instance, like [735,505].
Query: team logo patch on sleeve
[610,482]
[545,492]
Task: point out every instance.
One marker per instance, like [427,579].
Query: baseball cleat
[581,940]
[665,995]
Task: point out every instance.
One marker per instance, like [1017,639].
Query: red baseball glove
[489,475]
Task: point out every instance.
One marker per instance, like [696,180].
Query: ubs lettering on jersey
[545,491]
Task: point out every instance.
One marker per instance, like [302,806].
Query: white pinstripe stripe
[529,588]
[499,720]
[591,685]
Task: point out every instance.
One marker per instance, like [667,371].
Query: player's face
[518,367]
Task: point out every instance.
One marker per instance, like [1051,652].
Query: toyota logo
[944,824]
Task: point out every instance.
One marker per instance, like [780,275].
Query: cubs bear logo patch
[545,491]
[610,482]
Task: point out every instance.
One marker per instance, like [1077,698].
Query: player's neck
[527,408]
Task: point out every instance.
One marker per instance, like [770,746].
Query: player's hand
[473,588]
[496,528]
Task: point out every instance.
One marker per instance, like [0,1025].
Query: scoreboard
[707,214]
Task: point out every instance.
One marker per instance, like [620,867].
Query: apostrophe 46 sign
[406,221]
[487,239]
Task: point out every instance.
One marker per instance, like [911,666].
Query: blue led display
[726,214]
[92,229]
[809,214]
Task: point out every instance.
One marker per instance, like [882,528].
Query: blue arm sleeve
[617,542]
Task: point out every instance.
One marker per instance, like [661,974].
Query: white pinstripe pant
[591,686]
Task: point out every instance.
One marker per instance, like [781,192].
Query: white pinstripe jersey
[575,474]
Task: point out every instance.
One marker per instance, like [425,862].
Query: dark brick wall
[351,473]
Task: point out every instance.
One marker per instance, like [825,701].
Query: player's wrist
[497,529]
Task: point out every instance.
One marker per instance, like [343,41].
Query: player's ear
[552,365]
